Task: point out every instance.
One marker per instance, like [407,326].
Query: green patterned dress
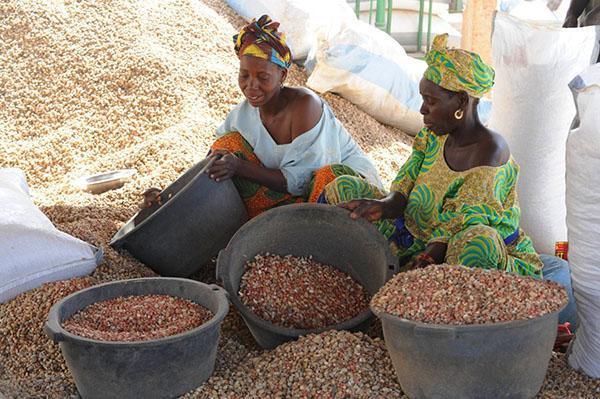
[475,212]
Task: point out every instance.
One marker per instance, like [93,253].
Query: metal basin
[102,182]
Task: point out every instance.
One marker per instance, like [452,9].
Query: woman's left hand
[434,254]
[225,167]
[420,263]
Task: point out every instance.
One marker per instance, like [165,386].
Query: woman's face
[259,79]
[439,106]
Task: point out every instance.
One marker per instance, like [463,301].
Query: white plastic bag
[533,109]
[583,220]
[32,250]
[299,19]
[370,69]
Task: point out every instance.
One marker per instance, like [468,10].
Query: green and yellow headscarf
[458,70]
[262,40]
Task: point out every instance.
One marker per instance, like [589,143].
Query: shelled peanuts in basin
[299,292]
[137,318]
[444,294]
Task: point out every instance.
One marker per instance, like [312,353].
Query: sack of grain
[32,250]
[300,19]
[369,68]
[533,109]
[583,220]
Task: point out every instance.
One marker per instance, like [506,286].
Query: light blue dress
[325,144]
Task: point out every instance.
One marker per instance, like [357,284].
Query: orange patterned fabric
[320,179]
[259,198]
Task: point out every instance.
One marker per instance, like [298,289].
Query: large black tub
[196,221]
[328,234]
[154,369]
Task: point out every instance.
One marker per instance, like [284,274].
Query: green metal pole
[370,12]
[357,8]
[388,27]
[429,25]
[380,14]
[420,30]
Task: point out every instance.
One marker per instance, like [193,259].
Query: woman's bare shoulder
[495,150]
[306,108]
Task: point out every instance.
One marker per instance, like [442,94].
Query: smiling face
[259,79]
[439,106]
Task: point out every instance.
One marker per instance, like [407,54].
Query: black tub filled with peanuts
[140,338]
[458,332]
[293,247]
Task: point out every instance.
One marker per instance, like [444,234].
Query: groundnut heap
[137,318]
[444,294]
[298,292]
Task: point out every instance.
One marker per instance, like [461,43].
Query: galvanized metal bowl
[102,182]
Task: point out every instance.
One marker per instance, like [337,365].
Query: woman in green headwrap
[455,199]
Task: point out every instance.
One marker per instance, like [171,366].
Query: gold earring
[459,114]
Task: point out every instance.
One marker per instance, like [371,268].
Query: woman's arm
[434,254]
[390,207]
[394,205]
[228,165]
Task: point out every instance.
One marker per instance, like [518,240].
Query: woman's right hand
[365,208]
[226,165]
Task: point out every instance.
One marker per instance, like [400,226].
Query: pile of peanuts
[137,318]
[31,364]
[297,292]
[444,294]
[334,364]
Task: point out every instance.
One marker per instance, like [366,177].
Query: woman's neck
[274,105]
[469,132]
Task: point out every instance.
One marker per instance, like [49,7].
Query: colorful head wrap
[260,39]
[458,70]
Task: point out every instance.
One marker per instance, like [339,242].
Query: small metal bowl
[97,184]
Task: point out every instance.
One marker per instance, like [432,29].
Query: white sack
[299,19]
[532,11]
[533,109]
[370,69]
[583,220]
[32,250]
